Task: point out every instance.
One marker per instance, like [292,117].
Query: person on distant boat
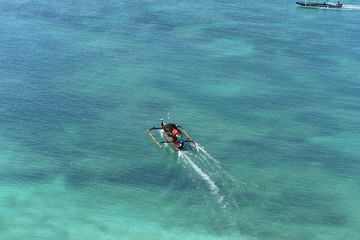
[338,3]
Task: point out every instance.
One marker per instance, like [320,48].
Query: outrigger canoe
[324,5]
[173,134]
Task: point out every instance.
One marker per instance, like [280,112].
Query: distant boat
[317,4]
[173,135]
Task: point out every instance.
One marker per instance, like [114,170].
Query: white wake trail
[211,184]
[351,7]
[201,149]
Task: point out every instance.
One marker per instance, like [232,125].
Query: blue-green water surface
[269,91]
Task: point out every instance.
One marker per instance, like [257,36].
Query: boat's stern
[181,144]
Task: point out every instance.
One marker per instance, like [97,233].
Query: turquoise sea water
[268,90]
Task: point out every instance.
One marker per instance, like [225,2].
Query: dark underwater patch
[26,176]
[150,176]
[76,177]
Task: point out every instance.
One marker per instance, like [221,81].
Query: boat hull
[319,5]
[168,129]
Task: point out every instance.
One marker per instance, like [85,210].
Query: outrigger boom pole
[188,136]
[154,139]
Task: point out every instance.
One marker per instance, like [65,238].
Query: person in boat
[175,132]
[338,3]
